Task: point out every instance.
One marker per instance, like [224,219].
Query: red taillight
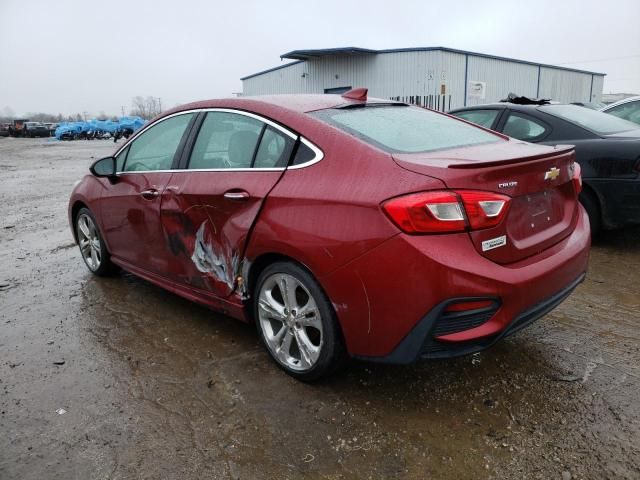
[576,176]
[484,209]
[447,211]
[426,212]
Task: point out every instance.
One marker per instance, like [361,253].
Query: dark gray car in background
[607,148]
[35,129]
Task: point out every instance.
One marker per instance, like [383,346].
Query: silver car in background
[628,109]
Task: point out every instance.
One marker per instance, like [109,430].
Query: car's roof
[512,106]
[621,102]
[301,103]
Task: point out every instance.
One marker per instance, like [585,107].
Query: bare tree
[7,114]
[42,117]
[146,107]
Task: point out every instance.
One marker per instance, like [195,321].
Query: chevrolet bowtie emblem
[552,174]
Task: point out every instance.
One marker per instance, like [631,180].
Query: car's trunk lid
[543,206]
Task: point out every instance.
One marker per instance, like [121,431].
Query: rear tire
[92,247]
[592,206]
[297,323]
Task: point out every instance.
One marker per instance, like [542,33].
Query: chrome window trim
[186,170]
[147,127]
[319,154]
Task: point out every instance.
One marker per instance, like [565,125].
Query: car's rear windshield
[597,122]
[404,129]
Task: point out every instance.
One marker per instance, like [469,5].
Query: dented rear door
[209,208]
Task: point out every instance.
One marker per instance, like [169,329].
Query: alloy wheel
[290,321]
[89,242]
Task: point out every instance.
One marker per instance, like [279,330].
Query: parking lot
[154,386]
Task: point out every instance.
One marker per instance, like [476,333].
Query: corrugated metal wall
[564,86]
[425,75]
[501,78]
[598,86]
[385,75]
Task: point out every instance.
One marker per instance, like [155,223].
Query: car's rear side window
[524,128]
[484,117]
[274,151]
[405,129]
[304,154]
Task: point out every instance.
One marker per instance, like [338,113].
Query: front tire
[297,323]
[92,247]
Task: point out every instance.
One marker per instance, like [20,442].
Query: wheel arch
[589,191]
[261,262]
[75,209]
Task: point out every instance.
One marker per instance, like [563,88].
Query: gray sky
[74,56]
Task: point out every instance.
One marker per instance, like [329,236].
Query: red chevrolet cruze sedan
[343,226]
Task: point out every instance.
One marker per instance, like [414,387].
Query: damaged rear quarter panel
[328,214]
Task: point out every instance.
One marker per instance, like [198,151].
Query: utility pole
[160,104]
[122,108]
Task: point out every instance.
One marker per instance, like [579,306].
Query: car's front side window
[523,128]
[155,148]
[120,158]
[226,140]
[484,118]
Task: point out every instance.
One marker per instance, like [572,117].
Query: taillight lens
[447,211]
[484,209]
[576,176]
[426,212]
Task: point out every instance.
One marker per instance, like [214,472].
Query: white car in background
[628,109]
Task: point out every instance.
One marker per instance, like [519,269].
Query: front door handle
[238,195]
[150,194]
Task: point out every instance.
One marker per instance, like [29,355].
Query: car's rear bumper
[391,300]
[421,343]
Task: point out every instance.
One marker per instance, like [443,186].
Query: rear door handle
[238,195]
[150,194]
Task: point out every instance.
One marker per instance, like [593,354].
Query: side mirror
[105,167]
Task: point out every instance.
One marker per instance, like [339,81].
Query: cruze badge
[508,184]
[551,174]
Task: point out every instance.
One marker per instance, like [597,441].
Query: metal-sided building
[437,77]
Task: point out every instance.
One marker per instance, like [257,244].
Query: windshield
[405,129]
[597,122]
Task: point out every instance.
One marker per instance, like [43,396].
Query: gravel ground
[157,387]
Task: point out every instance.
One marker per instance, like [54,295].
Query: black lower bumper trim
[420,343]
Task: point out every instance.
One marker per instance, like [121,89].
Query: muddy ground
[157,387]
